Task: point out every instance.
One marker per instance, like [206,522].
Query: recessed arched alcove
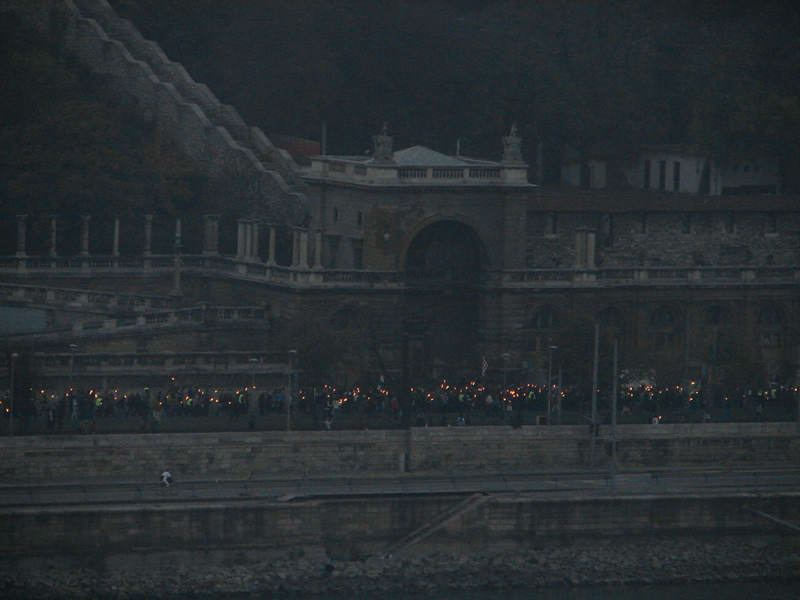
[444,265]
[446,251]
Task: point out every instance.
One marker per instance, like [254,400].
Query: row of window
[662,175]
[768,316]
[689,223]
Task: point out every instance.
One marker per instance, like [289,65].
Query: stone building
[407,261]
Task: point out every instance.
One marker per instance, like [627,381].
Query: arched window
[663,328]
[344,319]
[770,324]
[716,316]
[611,317]
[662,317]
[770,316]
[545,318]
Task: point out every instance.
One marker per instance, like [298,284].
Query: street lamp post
[594,387]
[550,379]
[506,356]
[614,394]
[72,348]
[14,357]
[253,362]
[290,396]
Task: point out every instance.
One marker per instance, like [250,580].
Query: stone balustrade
[104,364]
[252,268]
[359,171]
[81,299]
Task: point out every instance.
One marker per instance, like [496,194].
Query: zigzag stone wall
[204,129]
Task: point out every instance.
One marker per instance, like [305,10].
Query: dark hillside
[65,150]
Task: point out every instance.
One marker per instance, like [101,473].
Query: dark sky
[719,74]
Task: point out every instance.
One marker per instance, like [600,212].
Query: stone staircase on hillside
[248,173]
[223,115]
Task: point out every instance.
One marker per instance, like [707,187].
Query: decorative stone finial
[382,145]
[512,146]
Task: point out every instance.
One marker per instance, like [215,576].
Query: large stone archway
[444,268]
[445,251]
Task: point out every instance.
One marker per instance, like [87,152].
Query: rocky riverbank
[312,572]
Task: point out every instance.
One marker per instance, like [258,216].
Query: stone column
[85,235]
[580,249]
[295,248]
[591,244]
[271,256]
[148,235]
[211,235]
[178,239]
[115,247]
[304,249]
[318,249]
[240,239]
[53,234]
[254,241]
[22,230]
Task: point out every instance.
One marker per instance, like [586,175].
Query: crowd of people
[440,403]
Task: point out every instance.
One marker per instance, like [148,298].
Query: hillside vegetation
[724,76]
[64,149]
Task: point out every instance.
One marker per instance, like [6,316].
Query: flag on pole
[484,366]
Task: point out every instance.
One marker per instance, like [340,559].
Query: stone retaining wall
[430,450]
[372,524]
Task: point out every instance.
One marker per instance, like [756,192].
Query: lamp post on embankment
[550,379]
[14,357]
[72,348]
[594,387]
[290,391]
[613,464]
[253,362]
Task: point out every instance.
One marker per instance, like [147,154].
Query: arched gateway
[444,266]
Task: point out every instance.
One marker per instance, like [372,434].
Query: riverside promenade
[375,512]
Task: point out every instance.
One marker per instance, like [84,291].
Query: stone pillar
[240,238]
[318,249]
[22,230]
[295,248]
[115,247]
[580,249]
[591,244]
[254,240]
[85,235]
[271,256]
[53,234]
[148,235]
[178,238]
[211,234]
[304,249]
[176,274]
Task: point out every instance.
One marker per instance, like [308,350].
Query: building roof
[420,156]
[417,156]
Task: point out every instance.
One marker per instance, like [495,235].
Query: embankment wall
[428,450]
[370,524]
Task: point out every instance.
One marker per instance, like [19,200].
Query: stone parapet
[431,451]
